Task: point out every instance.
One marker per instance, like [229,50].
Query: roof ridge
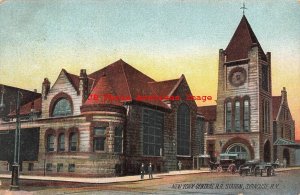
[128,89]
[164,81]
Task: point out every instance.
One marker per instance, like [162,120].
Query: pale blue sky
[167,26]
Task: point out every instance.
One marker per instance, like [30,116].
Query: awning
[287,143]
[227,154]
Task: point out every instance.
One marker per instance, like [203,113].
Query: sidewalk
[102,180]
[109,179]
[118,179]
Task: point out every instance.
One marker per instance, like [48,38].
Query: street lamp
[16,167]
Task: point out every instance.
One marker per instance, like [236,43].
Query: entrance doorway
[286,155]
[267,151]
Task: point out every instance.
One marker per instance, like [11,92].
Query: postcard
[158,97]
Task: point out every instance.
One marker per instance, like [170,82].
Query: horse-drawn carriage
[257,168]
[228,162]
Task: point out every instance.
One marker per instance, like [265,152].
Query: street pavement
[127,179]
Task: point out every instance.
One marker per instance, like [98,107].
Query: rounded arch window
[62,107]
[239,149]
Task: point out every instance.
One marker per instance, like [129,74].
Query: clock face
[237,76]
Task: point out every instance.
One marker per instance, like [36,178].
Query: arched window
[183,130]
[62,108]
[228,116]
[73,141]
[50,143]
[246,115]
[61,142]
[237,116]
[240,150]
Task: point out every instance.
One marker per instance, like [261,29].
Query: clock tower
[243,123]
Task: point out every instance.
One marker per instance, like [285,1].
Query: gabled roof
[209,112]
[276,101]
[164,88]
[74,79]
[125,81]
[242,41]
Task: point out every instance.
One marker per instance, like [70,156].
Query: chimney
[83,84]
[284,95]
[45,88]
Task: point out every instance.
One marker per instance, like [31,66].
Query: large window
[265,77]
[73,141]
[61,142]
[237,116]
[240,150]
[118,140]
[99,138]
[62,108]
[50,143]
[246,115]
[228,115]
[266,117]
[183,130]
[153,122]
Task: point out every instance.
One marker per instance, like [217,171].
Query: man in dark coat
[142,169]
[150,171]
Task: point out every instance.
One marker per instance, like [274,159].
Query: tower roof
[242,41]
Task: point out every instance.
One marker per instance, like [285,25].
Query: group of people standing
[142,169]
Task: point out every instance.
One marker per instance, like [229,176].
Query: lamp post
[16,167]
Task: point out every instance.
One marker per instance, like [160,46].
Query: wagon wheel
[273,171]
[269,171]
[256,171]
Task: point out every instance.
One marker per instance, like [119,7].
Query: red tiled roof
[26,109]
[242,41]
[101,89]
[209,112]
[126,81]
[164,88]
[276,101]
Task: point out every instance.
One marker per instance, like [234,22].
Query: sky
[161,38]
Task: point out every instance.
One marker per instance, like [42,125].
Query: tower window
[265,77]
[228,115]
[246,115]
[237,116]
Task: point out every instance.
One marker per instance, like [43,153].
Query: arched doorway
[267,151]
[286,155]
[239,149]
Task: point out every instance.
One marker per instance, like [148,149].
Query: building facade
[109,122]
[284,129]
[241,122]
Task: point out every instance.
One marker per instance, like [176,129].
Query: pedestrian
[277,163]
[284,163]
[150,171]
[142,169]
[179,165]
